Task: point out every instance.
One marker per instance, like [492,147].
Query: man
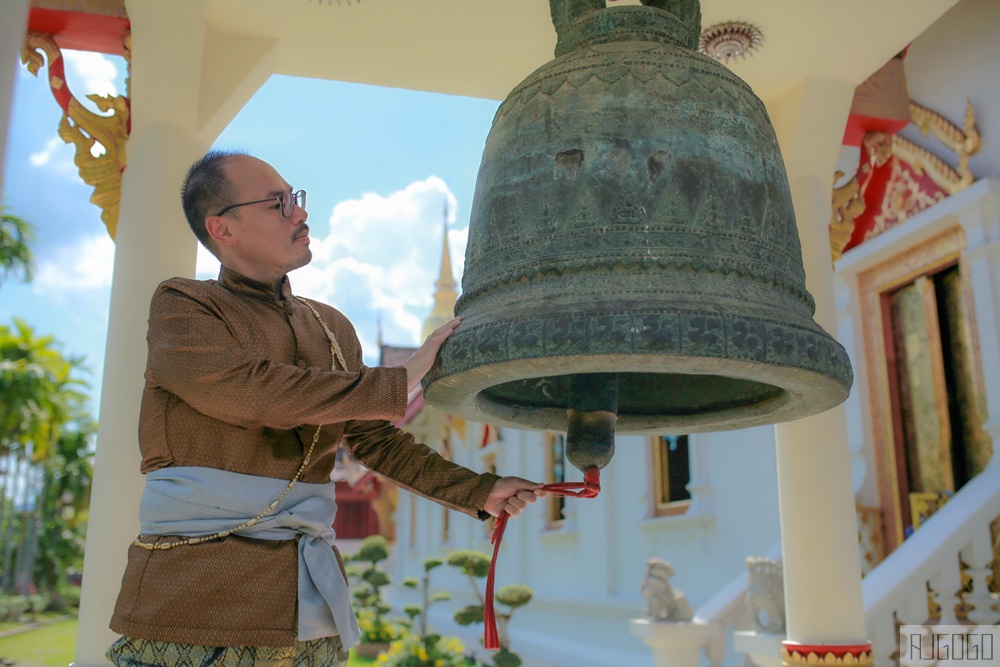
[249,392]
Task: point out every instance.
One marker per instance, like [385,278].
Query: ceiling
[483,48]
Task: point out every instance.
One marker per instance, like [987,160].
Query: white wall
[586,576]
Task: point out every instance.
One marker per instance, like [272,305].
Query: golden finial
[446,294]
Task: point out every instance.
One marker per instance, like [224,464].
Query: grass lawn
[49,646]
[54,646]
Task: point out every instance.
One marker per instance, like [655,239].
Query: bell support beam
[13,24]
[822,569]
[172,127]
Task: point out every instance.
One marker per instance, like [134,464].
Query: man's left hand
[512,494]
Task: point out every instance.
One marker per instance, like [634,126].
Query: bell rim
[804,392]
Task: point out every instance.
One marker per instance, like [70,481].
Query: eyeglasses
[287,201]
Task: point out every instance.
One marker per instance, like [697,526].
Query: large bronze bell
[633,249]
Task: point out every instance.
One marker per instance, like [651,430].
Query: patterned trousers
[130,652]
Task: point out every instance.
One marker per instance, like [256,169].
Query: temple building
[803,542]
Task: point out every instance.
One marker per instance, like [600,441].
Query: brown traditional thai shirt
[238,378]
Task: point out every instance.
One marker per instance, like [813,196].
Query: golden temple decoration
[794,658]
[88,131]
[923,504]
[847,205]
[964,142]
[848,199]
[919,259]
[870,538]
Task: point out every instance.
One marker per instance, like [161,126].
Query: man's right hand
[422,360]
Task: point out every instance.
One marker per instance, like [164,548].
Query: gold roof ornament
[848,199]
[964,142]
[446,293]
[99,140]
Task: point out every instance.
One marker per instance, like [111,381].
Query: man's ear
[218,228]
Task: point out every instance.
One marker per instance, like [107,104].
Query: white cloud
[381,259]
[56,156]
[90,73]
[82,267]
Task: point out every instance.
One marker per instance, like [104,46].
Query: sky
[379,166]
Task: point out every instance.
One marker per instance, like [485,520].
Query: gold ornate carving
[847,205]
[923,504]
[848,199]
[963,141]
[870,538]
[794,658]
[924,257]
[88,131]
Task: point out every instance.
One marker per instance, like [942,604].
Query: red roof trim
[81,31]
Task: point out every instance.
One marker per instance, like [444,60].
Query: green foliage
[15,255]
[411,582]
[373,549]
[376,629]
[474,563]
[413,610]
[514,595]
[46,441]
[415,651]
[469,614]
[504,658]
[440,596]
[375,578]
[369,606]
[432,563]
[13,607]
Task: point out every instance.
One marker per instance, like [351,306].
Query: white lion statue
[765,597]
[663,602]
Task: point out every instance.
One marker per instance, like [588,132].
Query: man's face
[267,243]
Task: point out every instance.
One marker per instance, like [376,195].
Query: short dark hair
[206,189]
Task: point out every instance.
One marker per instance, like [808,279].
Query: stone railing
[941,573]
[707,638]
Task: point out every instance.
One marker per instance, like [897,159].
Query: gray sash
[196,501]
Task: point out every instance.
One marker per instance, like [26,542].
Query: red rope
[588,488]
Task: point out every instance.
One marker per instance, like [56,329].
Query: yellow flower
[422,653]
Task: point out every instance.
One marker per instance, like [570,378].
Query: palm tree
[15,255]
[40,402]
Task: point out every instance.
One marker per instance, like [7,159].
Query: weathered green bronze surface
[632,216]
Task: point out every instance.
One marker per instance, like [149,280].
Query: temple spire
[446,294]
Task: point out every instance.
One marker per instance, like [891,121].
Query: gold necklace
[336,357]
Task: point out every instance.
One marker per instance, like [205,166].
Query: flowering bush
[430,651]
[375,629]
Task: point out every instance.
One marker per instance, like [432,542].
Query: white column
[13,23]
[822,568]
[174,58]
[982,259]
[153,243]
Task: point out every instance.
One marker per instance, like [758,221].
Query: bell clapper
[591,416]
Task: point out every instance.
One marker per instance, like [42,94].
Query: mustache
[301,231]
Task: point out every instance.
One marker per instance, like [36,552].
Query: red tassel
[491,639]
[589,488]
